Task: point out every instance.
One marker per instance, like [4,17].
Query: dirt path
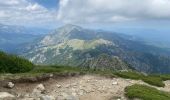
[91,88]
[87,87]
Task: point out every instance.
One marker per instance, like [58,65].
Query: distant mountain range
[75,46]
[156,37]
[13,37]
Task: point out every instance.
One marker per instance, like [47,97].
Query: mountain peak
[70,27]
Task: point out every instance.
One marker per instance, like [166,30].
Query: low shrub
[145,93]
[130,75]
[152,80]
[14,64]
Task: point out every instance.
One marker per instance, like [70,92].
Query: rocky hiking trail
[82,87]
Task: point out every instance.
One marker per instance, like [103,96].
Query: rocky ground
[84,87]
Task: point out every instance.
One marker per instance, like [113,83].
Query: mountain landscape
[73,45]
[84,50]
[22,80]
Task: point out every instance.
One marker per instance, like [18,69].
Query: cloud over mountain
[109,11]
[31,12]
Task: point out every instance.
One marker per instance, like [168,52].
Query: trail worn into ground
[86,87]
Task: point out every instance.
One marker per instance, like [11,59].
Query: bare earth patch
[86,87]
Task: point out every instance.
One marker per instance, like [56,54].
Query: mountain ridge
[73,45]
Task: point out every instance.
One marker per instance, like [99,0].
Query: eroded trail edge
[82,87]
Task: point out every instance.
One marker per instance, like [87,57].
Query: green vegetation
[130,75]
[164,77]
[38,71]
[69,69]
[14,64]
[145,93]
[150,79]
[55,69]
[22,68]
[60,70]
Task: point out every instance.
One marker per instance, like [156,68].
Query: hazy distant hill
[75,46]
[156,37]
[11,37]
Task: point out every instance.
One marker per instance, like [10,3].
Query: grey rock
[4,95]
[40,87]
[10,85]
[46,97]
[38,90]
[58,85]
[65,96]
[51,75]
[114,83]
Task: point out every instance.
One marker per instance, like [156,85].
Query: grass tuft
[145,93]
[130,75]
[150,79]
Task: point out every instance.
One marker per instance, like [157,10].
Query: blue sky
[50,4]
[106,14]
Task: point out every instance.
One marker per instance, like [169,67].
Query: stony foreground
[86,87]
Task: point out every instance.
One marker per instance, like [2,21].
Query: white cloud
[2,14]
[23,12]
[12,2]
[9,2]
[109,11]
[34,7]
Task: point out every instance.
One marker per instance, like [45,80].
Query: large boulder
[4,95]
